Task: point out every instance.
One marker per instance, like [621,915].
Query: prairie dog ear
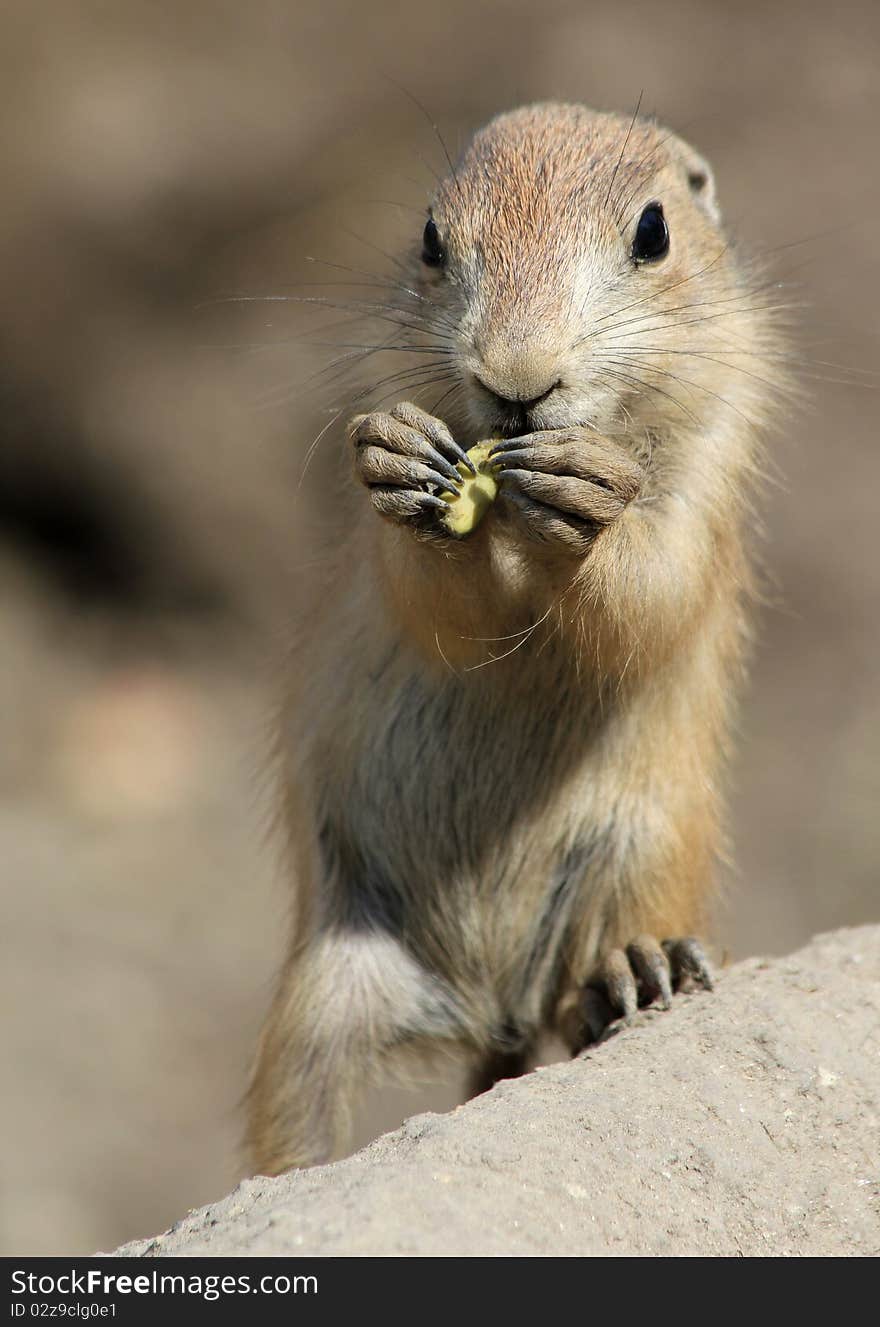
[700,179]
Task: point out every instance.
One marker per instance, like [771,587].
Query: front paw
[407,458]
[565,486]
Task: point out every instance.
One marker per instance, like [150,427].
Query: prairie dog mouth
[514,423]
[511,418]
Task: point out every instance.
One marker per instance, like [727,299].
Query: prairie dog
[501,753]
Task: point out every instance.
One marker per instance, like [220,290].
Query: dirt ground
[153,529]
[741,1125]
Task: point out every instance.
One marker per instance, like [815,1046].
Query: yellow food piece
[469,505]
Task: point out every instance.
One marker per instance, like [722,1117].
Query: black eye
[433,252]
[652,235]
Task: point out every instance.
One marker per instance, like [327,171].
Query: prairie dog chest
[446,761]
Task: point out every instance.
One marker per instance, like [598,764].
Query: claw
[511,457]
[688,961]
[441,481]
[616,980]
[651,966]
[429,500]
[463,457]
[646,971]
[393,497]
[439,461]
[437,432]
[508,444]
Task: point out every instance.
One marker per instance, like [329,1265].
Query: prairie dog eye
[652,236]
[433,253]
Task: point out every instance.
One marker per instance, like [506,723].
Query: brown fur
[502,754]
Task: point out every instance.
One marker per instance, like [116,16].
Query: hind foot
[644,973]
[495,1066]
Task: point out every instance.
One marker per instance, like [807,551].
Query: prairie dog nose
[523,402]
[516,365]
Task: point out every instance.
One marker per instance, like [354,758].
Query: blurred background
[159,158]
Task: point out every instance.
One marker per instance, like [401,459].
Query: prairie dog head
[579,275]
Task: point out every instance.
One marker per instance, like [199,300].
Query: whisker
[497,658]
[869,376]
[709,317]
[695,304]
[399,349]
[456,387]
[350,405]
[412,375]
[639,382]
[322,377]
[433,125]
[271,400]
[698,386]
[379,281]
[638,175]
[364,307]
[665,291]
[370,244]
[415,387]
[488,640]
[310,452]
[388,202]
[623,149]
[442,655]
[711,359]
